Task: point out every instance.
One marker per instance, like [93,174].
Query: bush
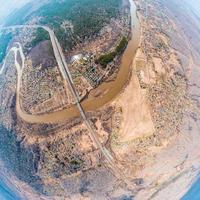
[88,17]
[109,57]
[120,47]
[39,36]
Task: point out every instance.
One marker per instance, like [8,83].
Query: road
[108,90]
[67,77]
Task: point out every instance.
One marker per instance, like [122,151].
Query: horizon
[172,41]
[9,6]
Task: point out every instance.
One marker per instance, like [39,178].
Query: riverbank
[193,193]
[109,90]
[167,161]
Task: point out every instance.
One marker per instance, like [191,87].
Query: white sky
[195,4]
[7,6]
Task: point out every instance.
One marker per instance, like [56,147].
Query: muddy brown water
[108,90]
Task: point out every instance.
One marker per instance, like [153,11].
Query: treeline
[87,17]
[39,36]
[109,57]
[23,162]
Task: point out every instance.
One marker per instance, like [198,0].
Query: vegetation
[86,16]
[109,57]
[22,161]
[5,38]
[120,47]
[106,58]
[39,36]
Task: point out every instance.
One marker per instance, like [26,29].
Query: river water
[113,88]
[6,193]
[109,90]
[194,192]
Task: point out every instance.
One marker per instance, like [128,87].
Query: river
[113,88]
[7,193]
[109,90]
[194,192]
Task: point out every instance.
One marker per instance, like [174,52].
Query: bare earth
[136,120]
[151,129]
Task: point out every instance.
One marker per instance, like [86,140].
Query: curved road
[67,77]
[108,90]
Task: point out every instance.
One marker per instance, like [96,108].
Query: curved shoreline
[109,89]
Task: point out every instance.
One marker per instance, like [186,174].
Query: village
[42,89]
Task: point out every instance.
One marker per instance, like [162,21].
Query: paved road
[67,77]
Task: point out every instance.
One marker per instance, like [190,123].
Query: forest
[87,17]
[39,36]
[109,57]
